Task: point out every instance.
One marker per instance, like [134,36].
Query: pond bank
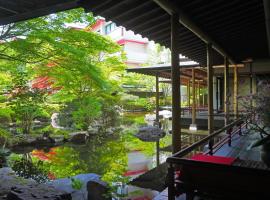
[13,187]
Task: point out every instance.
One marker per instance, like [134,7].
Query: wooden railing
[179,158]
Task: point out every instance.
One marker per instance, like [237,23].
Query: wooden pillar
[193,98]
[210,93]
[188,95]
[203,101]
[226,91]
[198,94]
[176,108]
[157,117]
[251,82]
[217,93]
[235,91]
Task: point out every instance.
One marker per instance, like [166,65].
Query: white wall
[136,52]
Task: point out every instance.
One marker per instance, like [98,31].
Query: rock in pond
[98,191]
[87,190]
[13,187]
[150,133]
[79,137]
[93,130]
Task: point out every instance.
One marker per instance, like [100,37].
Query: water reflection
[108,157]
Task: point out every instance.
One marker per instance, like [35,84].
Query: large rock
[98,191]
[64,184]
[58,139]
[79,137]
[36,191]
[150,133]
[13,187]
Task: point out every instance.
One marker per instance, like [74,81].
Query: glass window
[109,28]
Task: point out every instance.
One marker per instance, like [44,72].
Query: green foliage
[5,115]
[65,162]
[87,109]
[111,155]
[139,81]
[133,119]
[24,101]
[26,50]
[28,167]
[80,64]
[5,137]
[53,131]
[131,102]
[133,143]
[76,183]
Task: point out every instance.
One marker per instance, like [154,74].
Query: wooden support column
[199,92]
[203,101]
[188,95]
[226,91]
[217,93]
[157,117]
[252,83]
[210,94]
[235,91]
[176,109]
[193,98]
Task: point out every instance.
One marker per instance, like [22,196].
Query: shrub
[5,115]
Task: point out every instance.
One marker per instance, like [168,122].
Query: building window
[109,28]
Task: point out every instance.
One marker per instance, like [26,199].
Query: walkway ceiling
[238,26]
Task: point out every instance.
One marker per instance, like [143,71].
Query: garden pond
[117,159]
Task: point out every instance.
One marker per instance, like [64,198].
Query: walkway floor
[240,148]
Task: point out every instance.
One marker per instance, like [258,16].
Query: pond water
[117,159]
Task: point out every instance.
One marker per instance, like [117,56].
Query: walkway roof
[164,71]
[236,28]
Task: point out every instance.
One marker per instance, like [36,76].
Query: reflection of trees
[107,157]
[65,162]
[28,167]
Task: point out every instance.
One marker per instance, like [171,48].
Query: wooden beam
[176,109]
[37,12]
[236,65]
[170,8]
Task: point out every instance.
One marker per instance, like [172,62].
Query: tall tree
[79,64]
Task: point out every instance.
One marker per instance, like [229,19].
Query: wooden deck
[238,149]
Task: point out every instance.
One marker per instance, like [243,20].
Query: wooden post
[193,98]
[176,109]
[157,117]
[210,94]
[226,91]
[217,93]
[250,81]
[171,187]
[188,95]
[198,94]
[235,92]
[203,101]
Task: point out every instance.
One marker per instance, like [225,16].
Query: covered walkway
[225,33]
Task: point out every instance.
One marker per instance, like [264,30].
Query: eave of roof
[238,27]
